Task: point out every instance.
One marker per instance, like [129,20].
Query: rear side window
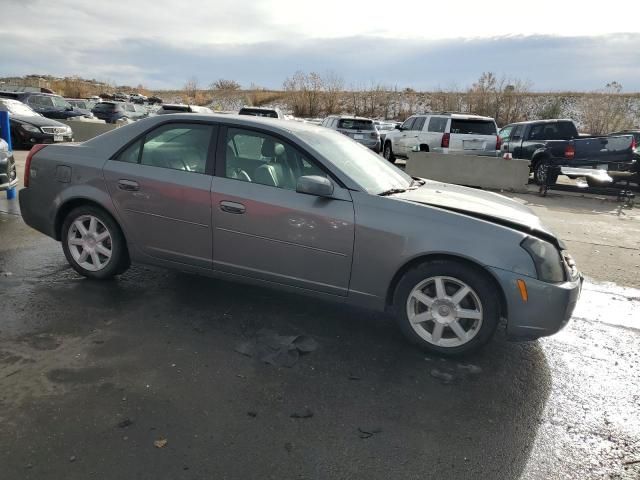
[473,127]
[353,124]
[418,124]
[437,124]
[173,146]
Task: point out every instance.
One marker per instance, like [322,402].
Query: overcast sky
[554,44]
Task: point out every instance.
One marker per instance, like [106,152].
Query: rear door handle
[128,185]
[232,207]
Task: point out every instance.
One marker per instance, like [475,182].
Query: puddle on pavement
[610,304]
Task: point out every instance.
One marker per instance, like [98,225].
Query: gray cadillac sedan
[306,209]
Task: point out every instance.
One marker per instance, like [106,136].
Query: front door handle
[128,185]
[232,207]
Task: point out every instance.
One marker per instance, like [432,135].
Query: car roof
[352,117]
[457,115]
[551,120]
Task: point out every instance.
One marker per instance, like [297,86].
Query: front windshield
[18,108]
[369,170]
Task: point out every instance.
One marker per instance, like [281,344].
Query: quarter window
[261,158]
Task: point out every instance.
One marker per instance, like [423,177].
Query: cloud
[550,63]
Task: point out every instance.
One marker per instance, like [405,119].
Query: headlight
[546,258]
[30,128]
[68,129]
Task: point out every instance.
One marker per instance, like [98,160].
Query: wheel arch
[69,204]
[451,257]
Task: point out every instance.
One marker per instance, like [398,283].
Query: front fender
[389,235]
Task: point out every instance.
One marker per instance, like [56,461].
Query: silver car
[361,129]
[306,209]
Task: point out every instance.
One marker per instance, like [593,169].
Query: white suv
[443,133]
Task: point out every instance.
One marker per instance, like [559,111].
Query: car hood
[37,120]
[480,204]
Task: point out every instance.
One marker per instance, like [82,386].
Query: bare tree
[606,110]
[191,88]
[333,87]
[225,85]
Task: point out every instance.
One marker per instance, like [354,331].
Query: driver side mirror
[315,185]
[399,127]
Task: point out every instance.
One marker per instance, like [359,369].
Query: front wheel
[93,243]
[388,152]
[447,307]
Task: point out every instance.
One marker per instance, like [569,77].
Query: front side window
[369,170]
[437,124]
[257,157]
[173,146]
[408,123]
[505,132]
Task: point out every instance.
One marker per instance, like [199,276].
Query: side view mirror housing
[399,127]
[315,185]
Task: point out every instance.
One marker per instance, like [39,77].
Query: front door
[405,133]
[162,192]
[264,229]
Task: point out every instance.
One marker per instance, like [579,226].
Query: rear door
[266,230]
[473,136]
[161,189]
[435,130]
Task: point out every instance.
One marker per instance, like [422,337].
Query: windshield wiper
[391,191]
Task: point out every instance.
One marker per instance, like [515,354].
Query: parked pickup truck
[557,143]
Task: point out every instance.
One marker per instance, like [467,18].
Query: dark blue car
[47,104]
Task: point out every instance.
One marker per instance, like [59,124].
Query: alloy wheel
[444,311]
[90,243]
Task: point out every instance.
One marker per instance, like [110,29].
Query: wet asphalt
[138,378]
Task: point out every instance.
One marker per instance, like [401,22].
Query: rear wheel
[544,173]
[93,243]
[447,307]
[388,152]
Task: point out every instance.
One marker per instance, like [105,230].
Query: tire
[387,152]
[481,301]
[539,173]
[96,264]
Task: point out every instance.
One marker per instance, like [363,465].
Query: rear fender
[77,195]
